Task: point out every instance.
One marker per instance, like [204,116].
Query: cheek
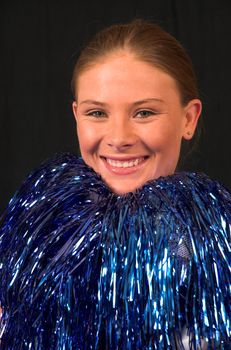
[88,138]
[158,138]
[163,139]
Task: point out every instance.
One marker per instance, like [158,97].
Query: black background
[39,43]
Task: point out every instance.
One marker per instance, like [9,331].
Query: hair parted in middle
[149,43]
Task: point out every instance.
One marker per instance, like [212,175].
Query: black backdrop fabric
[40,40]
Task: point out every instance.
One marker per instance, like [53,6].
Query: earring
[188,134]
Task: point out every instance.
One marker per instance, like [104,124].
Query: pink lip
[123,171]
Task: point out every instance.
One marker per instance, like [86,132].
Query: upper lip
[124,158]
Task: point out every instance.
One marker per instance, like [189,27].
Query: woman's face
[130,121]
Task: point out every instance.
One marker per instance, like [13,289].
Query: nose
[121,135]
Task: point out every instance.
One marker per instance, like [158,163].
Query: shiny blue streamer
[84,268]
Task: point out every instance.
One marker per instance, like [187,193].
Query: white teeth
[127,164]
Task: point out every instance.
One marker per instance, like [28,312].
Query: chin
[125,188]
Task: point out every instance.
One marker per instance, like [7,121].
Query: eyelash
[102,114]
[150,113]
[92,113]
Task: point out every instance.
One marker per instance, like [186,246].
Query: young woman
[117,250]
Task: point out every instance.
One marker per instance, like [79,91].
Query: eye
[145,113]
[96,114]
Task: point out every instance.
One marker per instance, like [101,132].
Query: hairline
[126,49]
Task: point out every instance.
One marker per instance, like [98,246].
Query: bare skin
[130,121]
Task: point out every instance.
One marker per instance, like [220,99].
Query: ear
[192,114]
[75,109]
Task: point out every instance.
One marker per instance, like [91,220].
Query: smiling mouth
[128,163]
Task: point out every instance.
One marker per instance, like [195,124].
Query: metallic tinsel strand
[83,268]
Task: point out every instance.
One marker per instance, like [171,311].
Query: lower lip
[123,171]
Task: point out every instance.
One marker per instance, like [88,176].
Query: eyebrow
[135,103]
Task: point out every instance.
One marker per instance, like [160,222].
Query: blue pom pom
[84,268]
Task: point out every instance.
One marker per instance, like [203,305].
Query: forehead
[118,61]
[125,76]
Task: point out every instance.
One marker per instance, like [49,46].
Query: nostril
[121,140]
[119,145]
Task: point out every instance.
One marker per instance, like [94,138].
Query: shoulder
[192,203]
[50,171]
[51,188]
[198,190]
[209,197]
[48,177]
[51,204]
[191,190]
